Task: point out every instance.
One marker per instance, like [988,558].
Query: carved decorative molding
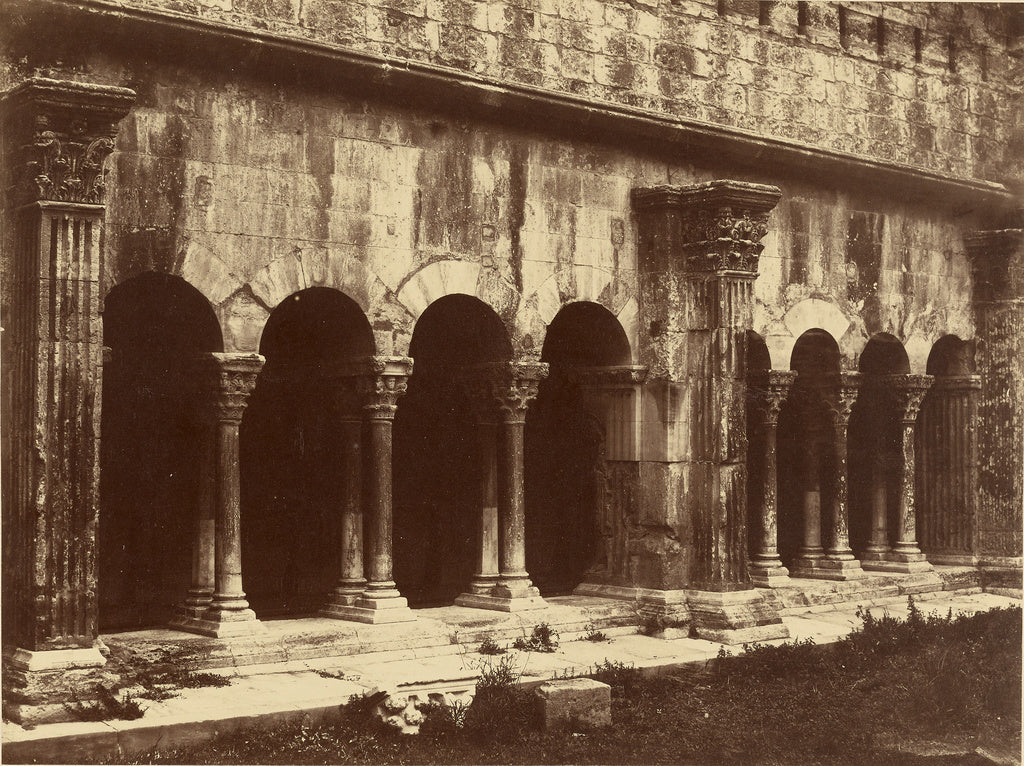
[611,377]
[908,392]
[957,383]
[841,405]
[712,227]
[513,385]
[381,386]
[230,379]
[996,264]
[771,388]
[61,132]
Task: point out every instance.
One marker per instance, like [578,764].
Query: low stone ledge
[580,701]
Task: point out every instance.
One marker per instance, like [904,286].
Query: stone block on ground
[576,700]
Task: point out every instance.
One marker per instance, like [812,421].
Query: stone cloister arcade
[327,479]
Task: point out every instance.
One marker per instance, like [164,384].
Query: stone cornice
[434,86]
[60,132]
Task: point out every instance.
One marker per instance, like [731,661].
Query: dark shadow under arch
[290,450]
[154,325]
[570,529]
[437,472]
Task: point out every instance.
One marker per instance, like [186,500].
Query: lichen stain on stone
[319,162]
[518,183]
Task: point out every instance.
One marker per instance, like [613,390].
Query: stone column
[997,263]
[478,396]
[57,137]
[947,439]
[698,256]
[839,562]
[766,569]
[878,545]
[513,385]
[231,379]
[909,392]
[380,601]
[200,593]
[351,581]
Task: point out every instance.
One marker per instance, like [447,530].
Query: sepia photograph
[511,382]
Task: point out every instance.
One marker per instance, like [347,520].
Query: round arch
[291,449]
[155,326]
[439,455]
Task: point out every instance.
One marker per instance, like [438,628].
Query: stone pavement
[312,688]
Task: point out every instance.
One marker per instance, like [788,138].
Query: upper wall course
[932,85]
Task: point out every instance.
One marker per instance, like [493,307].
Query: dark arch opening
[944,444]
[291,451]
[155,325]
[572,533]
[874,441]
[437,476]
[805,473]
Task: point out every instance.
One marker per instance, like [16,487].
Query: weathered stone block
[573,701]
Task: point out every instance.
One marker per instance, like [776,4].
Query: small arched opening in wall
[291,464]
[579,452]
[875,453]
[155,326]
[946,446]
[439,478]
[805,447]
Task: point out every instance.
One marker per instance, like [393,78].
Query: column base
[483,584]
[768,573]
[47,686]
[501,603]
[900,567]
[877,553]
[374,607]
[342,597]
[221,624]
[842,567]
[735,617]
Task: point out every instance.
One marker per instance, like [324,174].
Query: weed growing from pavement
[490,646]
[595,635]
[543,639]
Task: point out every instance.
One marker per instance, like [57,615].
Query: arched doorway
[875,450]
[805,450]
[572,530]
[155,325]
[947,470]
[292,477]
[438,476]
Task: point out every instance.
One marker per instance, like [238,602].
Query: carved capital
[62,132]
[717,226]
[612,377]
[908,392]
[957,383]
[386,379]
[841,405]
[771,388]
[229,379]
[513,385]
[997,264]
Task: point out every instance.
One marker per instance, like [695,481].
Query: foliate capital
[716,226]
[846,396]
[386,379]
[62,132]
[513,385]
[908,392]
[230,379]
[772,388]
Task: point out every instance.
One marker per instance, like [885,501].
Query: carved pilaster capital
[513,385]
[386,379]
[770,392]
[908,392]
[717,226]
[997,264]
[229,379]
[61,132]
[841,405]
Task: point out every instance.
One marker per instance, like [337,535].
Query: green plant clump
[491,647]
[543,639]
